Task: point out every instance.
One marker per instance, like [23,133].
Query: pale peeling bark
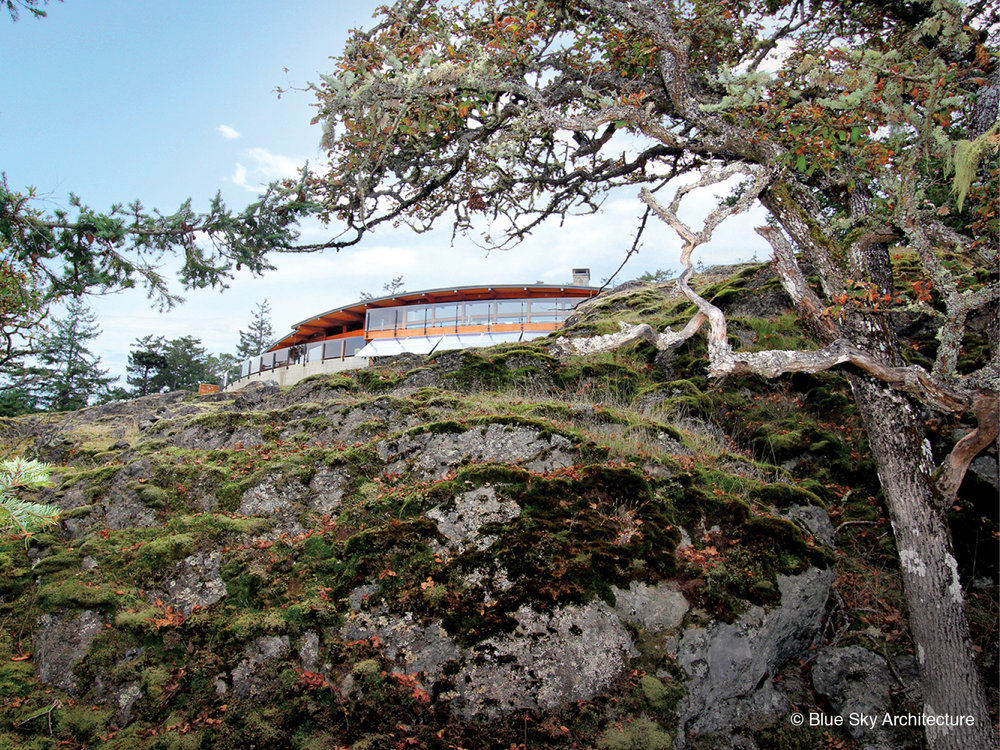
[940,630]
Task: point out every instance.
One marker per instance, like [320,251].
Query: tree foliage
[156,364]
[68,375]
[259,334]
[18,516]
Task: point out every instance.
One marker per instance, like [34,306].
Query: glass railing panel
[267,361]
[314,353]
[444,316]
[245,369]
[415,316]
[352,345]
[381,320]
[281,357]
[333,349]
[479,313]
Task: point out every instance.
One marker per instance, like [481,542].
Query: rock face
[654,608]
[432,455]
[550,659]
[729,665]
[194,582]
[462,522]
[245,676]
[859,682]
[60,642]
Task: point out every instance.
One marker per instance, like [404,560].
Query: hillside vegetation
[487,548]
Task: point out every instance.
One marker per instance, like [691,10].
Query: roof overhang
[355,313]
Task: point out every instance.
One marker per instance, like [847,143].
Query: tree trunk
[951,682]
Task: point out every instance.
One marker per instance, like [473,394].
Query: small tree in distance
[68,374]
[146,363]
[258,335]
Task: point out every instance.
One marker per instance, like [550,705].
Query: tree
[68,374]
[258,335]
[391,287]
[218,366]
[146,365]
[185,365]
[862,129]
[14,7]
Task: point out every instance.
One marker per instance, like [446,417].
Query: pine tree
[259,335]
[186,365]
[146,363]
[68,374]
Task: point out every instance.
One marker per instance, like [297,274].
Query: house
[461,317]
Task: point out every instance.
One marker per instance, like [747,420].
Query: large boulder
[730,665]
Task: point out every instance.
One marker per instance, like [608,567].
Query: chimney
[581,277]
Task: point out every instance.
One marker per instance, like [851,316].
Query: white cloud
[268,166]
[228,132]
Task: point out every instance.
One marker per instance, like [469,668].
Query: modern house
[348,337]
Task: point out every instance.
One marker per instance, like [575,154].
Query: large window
[413,318]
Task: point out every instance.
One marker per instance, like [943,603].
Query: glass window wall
[475,313]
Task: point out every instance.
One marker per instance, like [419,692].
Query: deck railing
[302,354]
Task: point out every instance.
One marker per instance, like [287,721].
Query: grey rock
[309,651]
[432,455]
[60,642]
[127,696]
[857,681]
[194,582]
[414,646]
[815,519]
[659,607]
[987,469]
[550,659]
[359,595]
[329,486]
[728,664]
[461,520]
[273,494]
[262,650]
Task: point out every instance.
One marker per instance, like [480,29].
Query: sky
[118,100]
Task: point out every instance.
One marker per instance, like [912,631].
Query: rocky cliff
[492,548]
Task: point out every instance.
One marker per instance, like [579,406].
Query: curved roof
[354,314]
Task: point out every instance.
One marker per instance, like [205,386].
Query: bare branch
[952,471]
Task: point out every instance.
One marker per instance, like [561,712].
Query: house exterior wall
[294,373]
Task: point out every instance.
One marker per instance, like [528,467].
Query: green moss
[163,550]
[639,734]
[81,723]
[154,497]
[81,511]
[330,382]
[55,563]
[69,594]
[790,738]
[213,524]
[782,495]
[661,698]
[366,668]
[678,397]
[138,620]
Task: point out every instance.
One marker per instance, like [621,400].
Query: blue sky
[116,100]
